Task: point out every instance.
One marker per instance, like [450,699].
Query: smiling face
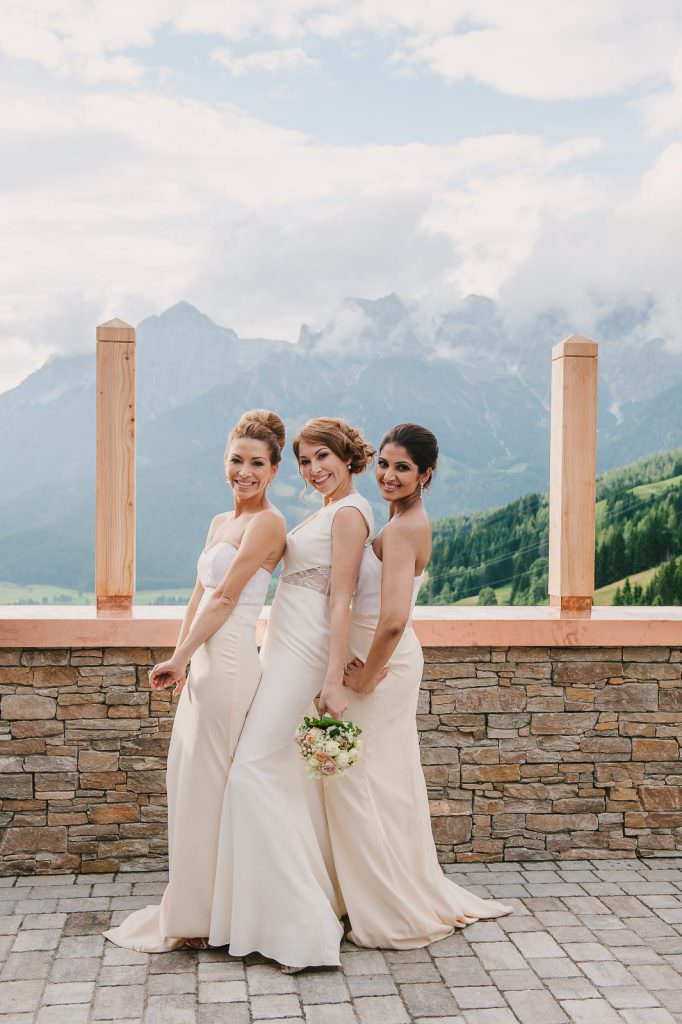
[397,473]
[322,469]
[248,468]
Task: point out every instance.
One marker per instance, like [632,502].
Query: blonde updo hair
[261,425]
[345,441]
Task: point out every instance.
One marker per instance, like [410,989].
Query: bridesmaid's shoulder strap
[359,502]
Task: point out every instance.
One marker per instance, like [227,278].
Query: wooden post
[572,474]
[115,495]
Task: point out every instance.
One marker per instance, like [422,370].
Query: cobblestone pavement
[589,941]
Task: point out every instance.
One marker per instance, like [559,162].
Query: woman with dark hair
[394,889]
[275,891]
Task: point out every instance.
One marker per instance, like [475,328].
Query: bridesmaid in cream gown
[275,890]
[218,634]
[394,889]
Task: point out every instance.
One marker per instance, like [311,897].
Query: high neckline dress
[223,677]
[275,889]
[392,884]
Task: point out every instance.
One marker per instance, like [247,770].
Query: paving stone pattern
[596,942]
[529,754]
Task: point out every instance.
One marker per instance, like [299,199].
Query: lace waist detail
[318,578]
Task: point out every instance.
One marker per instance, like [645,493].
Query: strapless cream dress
[222,680]
[394,889]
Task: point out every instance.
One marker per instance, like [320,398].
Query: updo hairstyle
[260,425]
[345,441]
[419,443]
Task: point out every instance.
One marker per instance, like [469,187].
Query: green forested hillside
[501,556]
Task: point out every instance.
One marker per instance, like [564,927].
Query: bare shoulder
[219,520]
[407,529]
[270,521]
[350,518]
[407,535]
[273,517]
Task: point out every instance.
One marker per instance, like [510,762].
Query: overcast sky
[265,158]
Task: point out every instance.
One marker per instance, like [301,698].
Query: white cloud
[165,198]
[19,357]
[268,274]
[532,48]
[554,51]
[82,37]
[620,248]
[120,200]
[272,61]
[662,109]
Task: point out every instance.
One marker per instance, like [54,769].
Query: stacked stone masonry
[529,754]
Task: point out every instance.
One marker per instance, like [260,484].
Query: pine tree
[618,556]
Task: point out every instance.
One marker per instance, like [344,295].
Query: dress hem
[139,947]
[420,943]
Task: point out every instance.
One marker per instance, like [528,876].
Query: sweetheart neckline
[235,547]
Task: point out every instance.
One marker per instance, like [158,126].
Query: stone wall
[553,753]
[529,753]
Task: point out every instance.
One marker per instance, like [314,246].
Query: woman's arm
[197,593]
[160,677]
[190,612]
[349,535]
[159,680]
[263,538]
[397,581]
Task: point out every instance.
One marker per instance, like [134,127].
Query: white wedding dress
[275,889]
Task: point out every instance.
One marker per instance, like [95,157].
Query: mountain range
[482,386]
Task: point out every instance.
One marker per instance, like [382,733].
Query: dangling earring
[421,489]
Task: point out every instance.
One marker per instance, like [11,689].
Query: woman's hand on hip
[353,675]
[355,679]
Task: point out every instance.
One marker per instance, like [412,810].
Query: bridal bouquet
[327,745]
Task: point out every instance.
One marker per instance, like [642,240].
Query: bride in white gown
[274,891]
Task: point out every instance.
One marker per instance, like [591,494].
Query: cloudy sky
[265,159]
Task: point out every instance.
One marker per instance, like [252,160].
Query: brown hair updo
[345,441]
[419,443]
[261,425]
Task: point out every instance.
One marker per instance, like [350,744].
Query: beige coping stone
[452,626]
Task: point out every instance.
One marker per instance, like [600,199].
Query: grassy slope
[606,594]
[15,593]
